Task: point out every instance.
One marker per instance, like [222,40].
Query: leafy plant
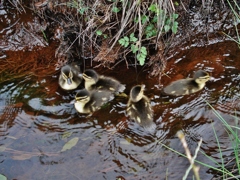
[124,41]
[79,5]
[142,54]
[115,9]
[169,22]
[236,21]
[100,33]
[233,133]
[141,51]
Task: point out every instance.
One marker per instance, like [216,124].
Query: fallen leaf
[2,177]
[70,144]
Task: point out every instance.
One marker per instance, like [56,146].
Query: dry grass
[114,19]
[92,29]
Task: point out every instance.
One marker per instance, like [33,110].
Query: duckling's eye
[64,76]
[77,98]
[86,76]
[204,78]
[70,74]
[80,98]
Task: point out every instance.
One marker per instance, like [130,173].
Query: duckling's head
[90,75]
[201,77]
[136,93]
[67,74]
[82,96]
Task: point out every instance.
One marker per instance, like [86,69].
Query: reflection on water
[37,119]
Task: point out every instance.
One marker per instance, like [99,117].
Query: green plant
[235,141]
[79,5]
[44,35]
[236,20]
[152,21]
[233,137]
[115,9]
[100,33]
[148,21]
[168,21]
[135,48]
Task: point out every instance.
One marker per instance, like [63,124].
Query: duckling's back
[141,112]
[181,87]
[97,99]
[110,84]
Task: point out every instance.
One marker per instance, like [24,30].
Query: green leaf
[142,55]
[70,144]
[81,11]
[105,36]
[126,38]
[175,27]
[99,32]
[166,28]
[115,9]
[2,177]
[121,41]
[134,48]
[132,38]
[155,19]
[168,21]
[175,16]
[124,41]
[153,8]
[144,19]
[150,31]
[140,59]
[144,51]
[176,3]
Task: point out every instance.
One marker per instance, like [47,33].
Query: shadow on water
[37,120]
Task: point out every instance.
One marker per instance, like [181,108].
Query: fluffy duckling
[94,81]
[88,102]
[139,107]
[70,77]
[189,85]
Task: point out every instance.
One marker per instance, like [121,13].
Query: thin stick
[189,156]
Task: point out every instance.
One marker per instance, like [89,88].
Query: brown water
[37,119]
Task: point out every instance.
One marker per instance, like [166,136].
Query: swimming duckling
[88,102]
[94,81]
[189,85]
[70,77]
[139,107]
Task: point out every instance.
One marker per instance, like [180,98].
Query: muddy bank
[29,26]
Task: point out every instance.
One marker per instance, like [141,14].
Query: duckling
[189,85]
[88,102]
[94,81]
[139,107]
[70,77]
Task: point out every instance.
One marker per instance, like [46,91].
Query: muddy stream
[37,120]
